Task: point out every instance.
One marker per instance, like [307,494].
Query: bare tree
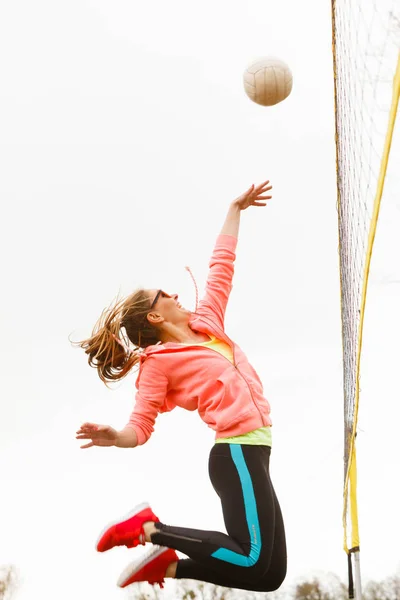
[188,589]
[144,591]
[388,589]
[329,589]
[8,581]
[326,587]
[310,590]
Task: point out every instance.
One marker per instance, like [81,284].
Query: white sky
[125,133]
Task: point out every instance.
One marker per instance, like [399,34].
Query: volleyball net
[366,43]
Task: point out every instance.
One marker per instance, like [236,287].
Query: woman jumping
[186,359]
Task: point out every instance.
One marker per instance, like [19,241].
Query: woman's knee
[272,579]
[253,574]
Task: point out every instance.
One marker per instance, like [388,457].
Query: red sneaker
[150,568]
[127,531]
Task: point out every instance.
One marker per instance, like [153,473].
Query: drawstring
[125,347]
[139,351]
[195,285]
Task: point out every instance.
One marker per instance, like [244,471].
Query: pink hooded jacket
[229,397]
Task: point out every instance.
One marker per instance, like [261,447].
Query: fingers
[89,428]
[93,432]
[259,189]
[255,192]
[97,434]
[87,435]
[87,445]
[87,431]
[259,194]
[262,190]
[102,427]
[260,200]
[262,185]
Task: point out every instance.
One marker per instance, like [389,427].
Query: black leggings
[253,554]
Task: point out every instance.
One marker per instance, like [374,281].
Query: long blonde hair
[107,348]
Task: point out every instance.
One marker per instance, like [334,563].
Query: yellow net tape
[350,487]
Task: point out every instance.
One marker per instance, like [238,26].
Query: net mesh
[366,42]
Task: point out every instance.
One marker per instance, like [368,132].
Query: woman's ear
[154,318]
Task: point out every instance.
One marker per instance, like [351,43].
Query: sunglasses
[159,293]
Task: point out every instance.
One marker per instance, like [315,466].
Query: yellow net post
[366,61]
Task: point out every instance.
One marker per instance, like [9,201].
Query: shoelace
[142,537]
[160,583]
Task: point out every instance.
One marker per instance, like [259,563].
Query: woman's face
[168,307]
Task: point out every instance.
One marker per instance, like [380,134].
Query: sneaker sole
[135,567]
[138,508]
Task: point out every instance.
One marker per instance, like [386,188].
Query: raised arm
[219,281]
[254,196]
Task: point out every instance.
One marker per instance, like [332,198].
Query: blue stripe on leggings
[251,516]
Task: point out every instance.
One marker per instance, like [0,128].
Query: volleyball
[268,81]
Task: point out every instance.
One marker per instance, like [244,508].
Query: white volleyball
[268,81]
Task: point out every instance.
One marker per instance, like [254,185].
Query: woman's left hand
[254,196]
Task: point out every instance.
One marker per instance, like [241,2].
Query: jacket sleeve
[152,385]
[219,281]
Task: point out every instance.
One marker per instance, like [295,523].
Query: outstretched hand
[254,196]
[100,435]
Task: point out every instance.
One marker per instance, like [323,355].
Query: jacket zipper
[234,364]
